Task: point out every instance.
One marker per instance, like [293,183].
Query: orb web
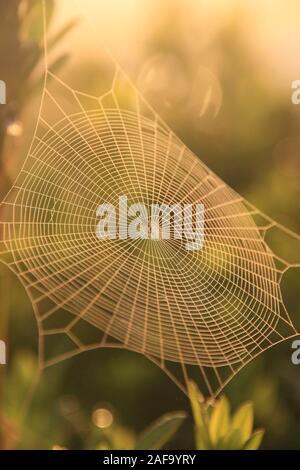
[213,309]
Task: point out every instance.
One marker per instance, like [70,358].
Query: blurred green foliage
[70,426]
[22,68]
[253,145]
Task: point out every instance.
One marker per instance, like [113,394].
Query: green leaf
[255,440]
[33,21]
[200,417]
[220,421]
[243,420]
[160,431]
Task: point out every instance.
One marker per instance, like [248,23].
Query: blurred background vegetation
[220,73]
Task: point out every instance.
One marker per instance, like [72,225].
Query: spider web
[213,309]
